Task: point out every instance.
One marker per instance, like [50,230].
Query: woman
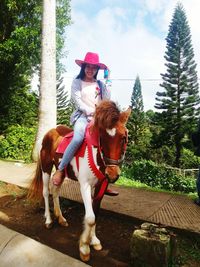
[86,92]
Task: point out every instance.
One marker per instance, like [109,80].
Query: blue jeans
[79,133]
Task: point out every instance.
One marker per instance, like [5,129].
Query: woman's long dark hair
[81,74]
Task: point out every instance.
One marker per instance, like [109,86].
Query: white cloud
[127,44]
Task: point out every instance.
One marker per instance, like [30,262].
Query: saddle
[91,137]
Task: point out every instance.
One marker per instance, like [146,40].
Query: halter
[114,162]
[106,161]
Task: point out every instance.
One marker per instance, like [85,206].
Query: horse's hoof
[84,258]
[49,225]
[97,247]
[64,223]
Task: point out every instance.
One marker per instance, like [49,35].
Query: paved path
[17,250]
[171,210]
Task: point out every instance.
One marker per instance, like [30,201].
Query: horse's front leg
[57,211]
[88,235]
[47,215]
[95,242]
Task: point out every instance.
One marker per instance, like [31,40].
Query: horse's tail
[36,186]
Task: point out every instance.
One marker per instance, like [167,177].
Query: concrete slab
[16,172]
[6,236]
[17,250]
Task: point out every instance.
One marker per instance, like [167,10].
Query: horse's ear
[125,115]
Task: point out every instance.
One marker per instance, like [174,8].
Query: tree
[19,37]
[180,99]
[47,104]
[137,126]
[20,48]
[24,109]
[137,117]
[64,105]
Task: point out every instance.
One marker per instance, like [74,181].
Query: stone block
[151,246]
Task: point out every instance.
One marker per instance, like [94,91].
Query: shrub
[189,160]
[159,176]
[17,143]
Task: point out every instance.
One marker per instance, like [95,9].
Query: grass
[188,251]
[123,181]
[12,191]
[12,160]
[2,184]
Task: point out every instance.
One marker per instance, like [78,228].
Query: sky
[129,36]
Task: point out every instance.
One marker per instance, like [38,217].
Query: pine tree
[180,99]
[137,116]
[137,124]
[136,97]
[64,105]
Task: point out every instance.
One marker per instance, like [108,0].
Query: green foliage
[137,120]
[17,143]
[20,48]
[164,154]
[136,97]
[189,160]
[64,105]
[23,110]
[141,150]
[188,251]
[179,99]
[159,176]
[138,130]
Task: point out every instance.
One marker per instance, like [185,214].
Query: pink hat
[91,58]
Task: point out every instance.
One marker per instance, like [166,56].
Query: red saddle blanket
[90,137]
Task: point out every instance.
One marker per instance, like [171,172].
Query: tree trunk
[47,106]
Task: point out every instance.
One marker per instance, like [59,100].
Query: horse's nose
[112,173]
[113,179]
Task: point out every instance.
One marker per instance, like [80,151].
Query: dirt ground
[113,230]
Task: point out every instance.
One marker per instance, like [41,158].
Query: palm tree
[47,105]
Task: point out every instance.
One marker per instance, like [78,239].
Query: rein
[107,162]
[95,170]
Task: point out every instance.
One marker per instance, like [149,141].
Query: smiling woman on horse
[95,153]
[86,93]
[96,164]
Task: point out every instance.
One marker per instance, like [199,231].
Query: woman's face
[90,71]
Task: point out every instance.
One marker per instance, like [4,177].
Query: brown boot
[58,177]
[110,192]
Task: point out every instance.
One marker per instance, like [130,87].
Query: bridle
[110,162]
[107,162]
[114,162]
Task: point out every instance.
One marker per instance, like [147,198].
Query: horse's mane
[106,115]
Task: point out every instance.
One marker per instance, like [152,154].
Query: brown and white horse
[99,165]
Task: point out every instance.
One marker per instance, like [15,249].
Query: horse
[98,165]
